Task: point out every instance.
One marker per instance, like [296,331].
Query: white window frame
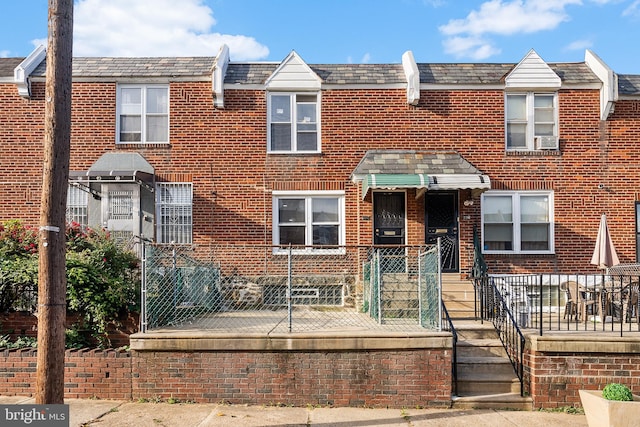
[144,139]
[308,196]
[533,141]
[293,121]
[183,230]
[516,220]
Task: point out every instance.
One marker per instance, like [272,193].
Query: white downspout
[413,77]
[609,90]
[217,79]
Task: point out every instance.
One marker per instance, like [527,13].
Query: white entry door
[121,212]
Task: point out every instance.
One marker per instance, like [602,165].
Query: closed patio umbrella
[604,254]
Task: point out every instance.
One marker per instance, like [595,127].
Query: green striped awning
[393,181]
[388,181]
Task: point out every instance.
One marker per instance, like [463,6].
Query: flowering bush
[103,281]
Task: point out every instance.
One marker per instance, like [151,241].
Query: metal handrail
[509,333]
[447,325]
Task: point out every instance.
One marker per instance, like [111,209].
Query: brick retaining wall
[378,377]
[375,378]
[556,367]
[104,374]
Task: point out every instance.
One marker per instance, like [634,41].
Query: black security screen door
[389,229]
[442,221]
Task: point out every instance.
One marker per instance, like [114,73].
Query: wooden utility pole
[52,284]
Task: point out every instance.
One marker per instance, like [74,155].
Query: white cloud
[633,10]
[38,42]
[506,18]
[366,58]
[471,47]
[154,28]
[579,45]
[468,37]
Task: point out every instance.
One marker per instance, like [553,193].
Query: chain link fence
[265,289]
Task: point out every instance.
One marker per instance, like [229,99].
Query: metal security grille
[77,202]
[174,206]
[121,205]
[268,289]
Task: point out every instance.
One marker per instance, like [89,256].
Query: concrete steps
[486,378]
[458,296]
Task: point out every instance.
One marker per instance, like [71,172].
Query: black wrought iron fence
[17,296]
[546,303]
[284,289]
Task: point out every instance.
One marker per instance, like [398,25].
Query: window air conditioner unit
[546,142]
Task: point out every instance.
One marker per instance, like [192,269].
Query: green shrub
[20,342]
[617,391]
[103,280]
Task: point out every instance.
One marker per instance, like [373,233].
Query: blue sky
[340,31]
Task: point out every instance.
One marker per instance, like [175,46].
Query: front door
[442,221]
[121,212]
[389,229]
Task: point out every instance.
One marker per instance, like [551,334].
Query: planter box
[601,412]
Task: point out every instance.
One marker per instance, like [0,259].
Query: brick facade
[223,152]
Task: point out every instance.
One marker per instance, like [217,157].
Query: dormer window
[293,122]
[531,121]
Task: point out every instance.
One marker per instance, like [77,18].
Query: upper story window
[517,222]
[143,114]
[531,121]
[308,219]
[174,205]
[293,122]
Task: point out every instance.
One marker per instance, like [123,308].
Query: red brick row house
[208,151]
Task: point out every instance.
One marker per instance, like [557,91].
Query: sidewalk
[108,413]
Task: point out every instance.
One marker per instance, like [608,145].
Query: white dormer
[609,90]
[22,72]
[220,65]
[293,74]
[532,73]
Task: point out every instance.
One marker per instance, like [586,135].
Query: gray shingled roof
[257,73]
[414,162]
[629,84]
[7,65]
[103,67]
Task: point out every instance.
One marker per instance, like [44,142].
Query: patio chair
[571,304]
[579,301]
[632,303]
